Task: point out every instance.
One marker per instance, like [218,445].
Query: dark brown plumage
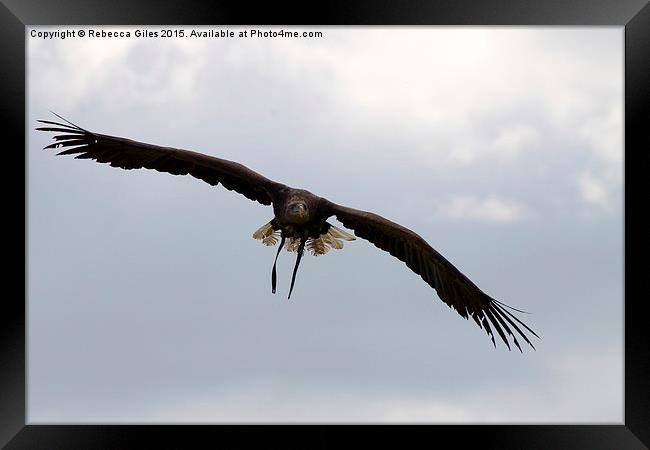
[300,220]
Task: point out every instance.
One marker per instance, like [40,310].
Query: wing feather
[128,154]
[453,288]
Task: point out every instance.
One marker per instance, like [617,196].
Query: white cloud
[263,404]
[593,190]
[491,209]
[108,71]
[581,386]
[603,132]
[584,386]
[509,142]
[503,145]
[78,63]
[413,83]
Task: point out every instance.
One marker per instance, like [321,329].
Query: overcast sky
[149,301]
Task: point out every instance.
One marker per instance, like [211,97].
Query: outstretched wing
[128,154]
[454,288]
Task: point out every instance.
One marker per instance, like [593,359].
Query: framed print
[504,136]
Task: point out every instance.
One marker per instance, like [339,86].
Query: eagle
[300,220]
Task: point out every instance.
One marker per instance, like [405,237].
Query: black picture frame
[634,15]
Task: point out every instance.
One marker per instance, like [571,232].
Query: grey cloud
[148,299]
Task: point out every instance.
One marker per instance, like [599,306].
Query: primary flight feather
[300,220]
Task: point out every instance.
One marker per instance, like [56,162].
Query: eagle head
[298,212]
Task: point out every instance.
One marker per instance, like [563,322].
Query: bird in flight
[300,220]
